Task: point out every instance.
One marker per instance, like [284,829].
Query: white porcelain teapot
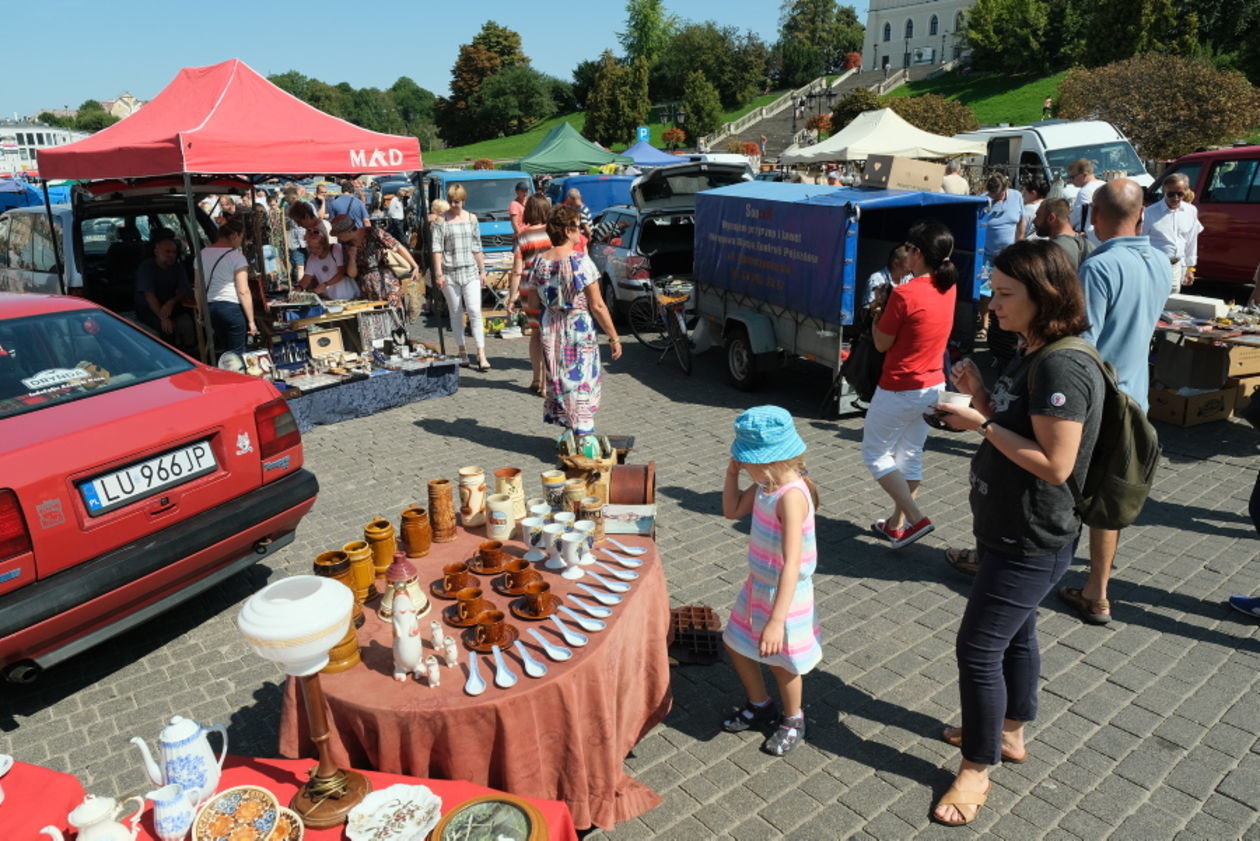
[96,819]
[185,758]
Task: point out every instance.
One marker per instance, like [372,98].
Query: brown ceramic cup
[470,604]
[490,554]
[536,593]
[456,577]
[519,573]
[490,628]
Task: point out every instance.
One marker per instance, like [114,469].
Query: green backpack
[1122,467]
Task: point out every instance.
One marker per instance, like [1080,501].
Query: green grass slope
[995,98]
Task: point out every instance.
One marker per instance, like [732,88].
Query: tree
[1135,27]
[50,119]
[935,114]
[562,93]
[501,41]
[796,62]
[1005,36]
[734,64]
[829,28]
[1167,105]
[673,137]
[291,81]
[512,100]
[413,103]
[855,102]
[614,108]
[584,80]
[492,48]
[93,117]
[648,30]
[701,104]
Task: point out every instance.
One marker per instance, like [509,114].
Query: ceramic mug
[531,531]
[587,529]
[541,510]
[533,502]
[553,488]
[470,604]
[519,573]
[490,554]
[490,628]
[499,517]
[536,593]
[456,577]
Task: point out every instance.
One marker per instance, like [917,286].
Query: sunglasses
[1175,194]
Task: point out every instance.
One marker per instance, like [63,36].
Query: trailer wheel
[739,360]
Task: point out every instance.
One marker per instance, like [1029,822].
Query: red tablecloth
[35,797]
[562,737]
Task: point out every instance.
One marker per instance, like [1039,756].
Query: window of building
[959,22]
[888,32]
[24,155]
[933,26]
[909,28]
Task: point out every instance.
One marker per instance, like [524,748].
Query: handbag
[865,364]
[396,264]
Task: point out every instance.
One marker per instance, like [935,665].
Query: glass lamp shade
[295,621]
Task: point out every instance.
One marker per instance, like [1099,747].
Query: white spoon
[603,598]
[593,609]
[571,637]
[614,586]
[633,563]
[556,652]
[504,677]
[623,574]
[629,550]
[475,684]
[582,622]
[532,667]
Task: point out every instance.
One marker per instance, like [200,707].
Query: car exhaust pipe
[263,546]
[24,672]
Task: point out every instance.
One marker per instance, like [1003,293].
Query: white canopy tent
[881,132]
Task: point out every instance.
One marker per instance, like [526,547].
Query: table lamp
[293,623]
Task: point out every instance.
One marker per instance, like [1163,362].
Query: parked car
[1045,149]
[131,478]
[490,191]
[654,236]
[599,192]
[1226,184]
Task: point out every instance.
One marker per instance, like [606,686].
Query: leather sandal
[963,560]
[957,797]
[1087,609]
[956,740]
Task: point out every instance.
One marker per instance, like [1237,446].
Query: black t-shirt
[1014,511]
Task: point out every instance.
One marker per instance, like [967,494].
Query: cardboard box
[1197,306]
[1244,359]
[1187,363]
[325,342]
[1246,387]
[1170,407]
[889,172]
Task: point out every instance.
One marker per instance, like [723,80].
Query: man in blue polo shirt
[351,205]
[1126,282]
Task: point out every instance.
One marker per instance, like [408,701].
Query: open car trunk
[668,242]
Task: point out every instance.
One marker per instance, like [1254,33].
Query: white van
[1044,150]
[28,261]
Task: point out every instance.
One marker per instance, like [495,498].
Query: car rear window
[55,358]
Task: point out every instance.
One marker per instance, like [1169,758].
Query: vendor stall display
[1206,368]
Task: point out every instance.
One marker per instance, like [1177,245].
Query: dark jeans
[231,328]
[999,663]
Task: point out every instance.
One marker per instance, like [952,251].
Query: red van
[1226,184]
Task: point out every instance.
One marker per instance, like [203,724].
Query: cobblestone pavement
[1148,728]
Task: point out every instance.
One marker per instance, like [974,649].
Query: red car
[131,478]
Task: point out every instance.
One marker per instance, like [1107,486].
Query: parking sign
[644,133]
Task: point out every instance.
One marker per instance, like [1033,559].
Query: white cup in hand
[955,398]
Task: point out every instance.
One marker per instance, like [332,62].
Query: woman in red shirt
[913,333]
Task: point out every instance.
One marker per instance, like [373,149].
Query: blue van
[599,192]
[490,191]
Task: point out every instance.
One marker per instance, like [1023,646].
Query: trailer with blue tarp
[780,269]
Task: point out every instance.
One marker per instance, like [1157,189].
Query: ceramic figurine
[441,510]
[450,652]
[436,635]
[185,757]
[96,819]
[435,673]
[472,496]
[172,812]
[402,577]
[408,647]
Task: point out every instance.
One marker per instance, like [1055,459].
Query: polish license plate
[113,490]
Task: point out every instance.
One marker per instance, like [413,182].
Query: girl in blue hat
[773,618]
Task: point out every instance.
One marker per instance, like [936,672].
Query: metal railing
[758,114]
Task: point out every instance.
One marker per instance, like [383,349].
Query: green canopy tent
[564,150]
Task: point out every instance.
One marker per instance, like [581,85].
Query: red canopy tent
[226,119]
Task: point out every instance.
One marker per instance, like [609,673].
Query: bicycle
[657,320]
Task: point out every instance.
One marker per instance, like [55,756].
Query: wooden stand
[330,793]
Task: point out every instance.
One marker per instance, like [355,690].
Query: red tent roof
[227,119]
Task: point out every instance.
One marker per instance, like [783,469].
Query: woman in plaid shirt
[459,270]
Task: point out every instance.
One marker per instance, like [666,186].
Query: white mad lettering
[361,159]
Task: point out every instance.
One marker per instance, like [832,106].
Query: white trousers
[1179,275]
[461,297]
[895,432]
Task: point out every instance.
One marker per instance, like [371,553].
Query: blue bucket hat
[765,434]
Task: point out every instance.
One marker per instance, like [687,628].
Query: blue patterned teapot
[185,758]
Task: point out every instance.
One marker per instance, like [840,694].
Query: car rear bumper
[59,616]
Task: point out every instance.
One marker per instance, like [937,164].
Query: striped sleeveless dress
[801,643]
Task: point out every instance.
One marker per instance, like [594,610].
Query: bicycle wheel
[681,341]
[647,327]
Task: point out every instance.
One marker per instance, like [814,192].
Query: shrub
[1167,105]
[853,61]
[856,101]
[673,137]
[820,123]
[750,149]
[483,163]
[936,114]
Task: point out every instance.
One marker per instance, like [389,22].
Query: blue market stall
[647,155]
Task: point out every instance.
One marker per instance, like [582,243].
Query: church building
[913,33]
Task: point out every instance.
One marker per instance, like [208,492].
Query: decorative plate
[509,636]
[520,609]
[438,589]
[289,826]
[398,813]
[492,817]
[243,813]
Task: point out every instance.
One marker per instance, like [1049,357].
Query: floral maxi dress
[570,347]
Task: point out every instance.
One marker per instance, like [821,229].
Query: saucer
[448,613]
[509,637]
[439,591]
[500,585]
[474,565]
[518,608]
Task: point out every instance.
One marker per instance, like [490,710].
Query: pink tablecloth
[562,737]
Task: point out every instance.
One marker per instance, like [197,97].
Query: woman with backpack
[1039,433]
[231,303]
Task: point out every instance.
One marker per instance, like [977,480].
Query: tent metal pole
[52,228]
[205,336]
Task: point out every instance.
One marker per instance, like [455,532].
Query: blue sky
[62,52]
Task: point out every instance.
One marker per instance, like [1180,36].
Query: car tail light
[639,268]
[277,430]
[14,538]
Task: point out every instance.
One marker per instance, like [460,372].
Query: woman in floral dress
[365,260]
[564,284]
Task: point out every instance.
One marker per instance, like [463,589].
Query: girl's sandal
[957,797]
[953,736]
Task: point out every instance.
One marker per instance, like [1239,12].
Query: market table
[560,737]
[35,797]
[382,390]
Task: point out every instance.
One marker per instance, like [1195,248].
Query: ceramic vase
[510,481]
[499,519]
[417,532]
[574,491]
[172,812]
[361,568]
[441,510]
[381,539]
[593,510]
[472,496]
[345,653]
[553,488]
[336,564]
